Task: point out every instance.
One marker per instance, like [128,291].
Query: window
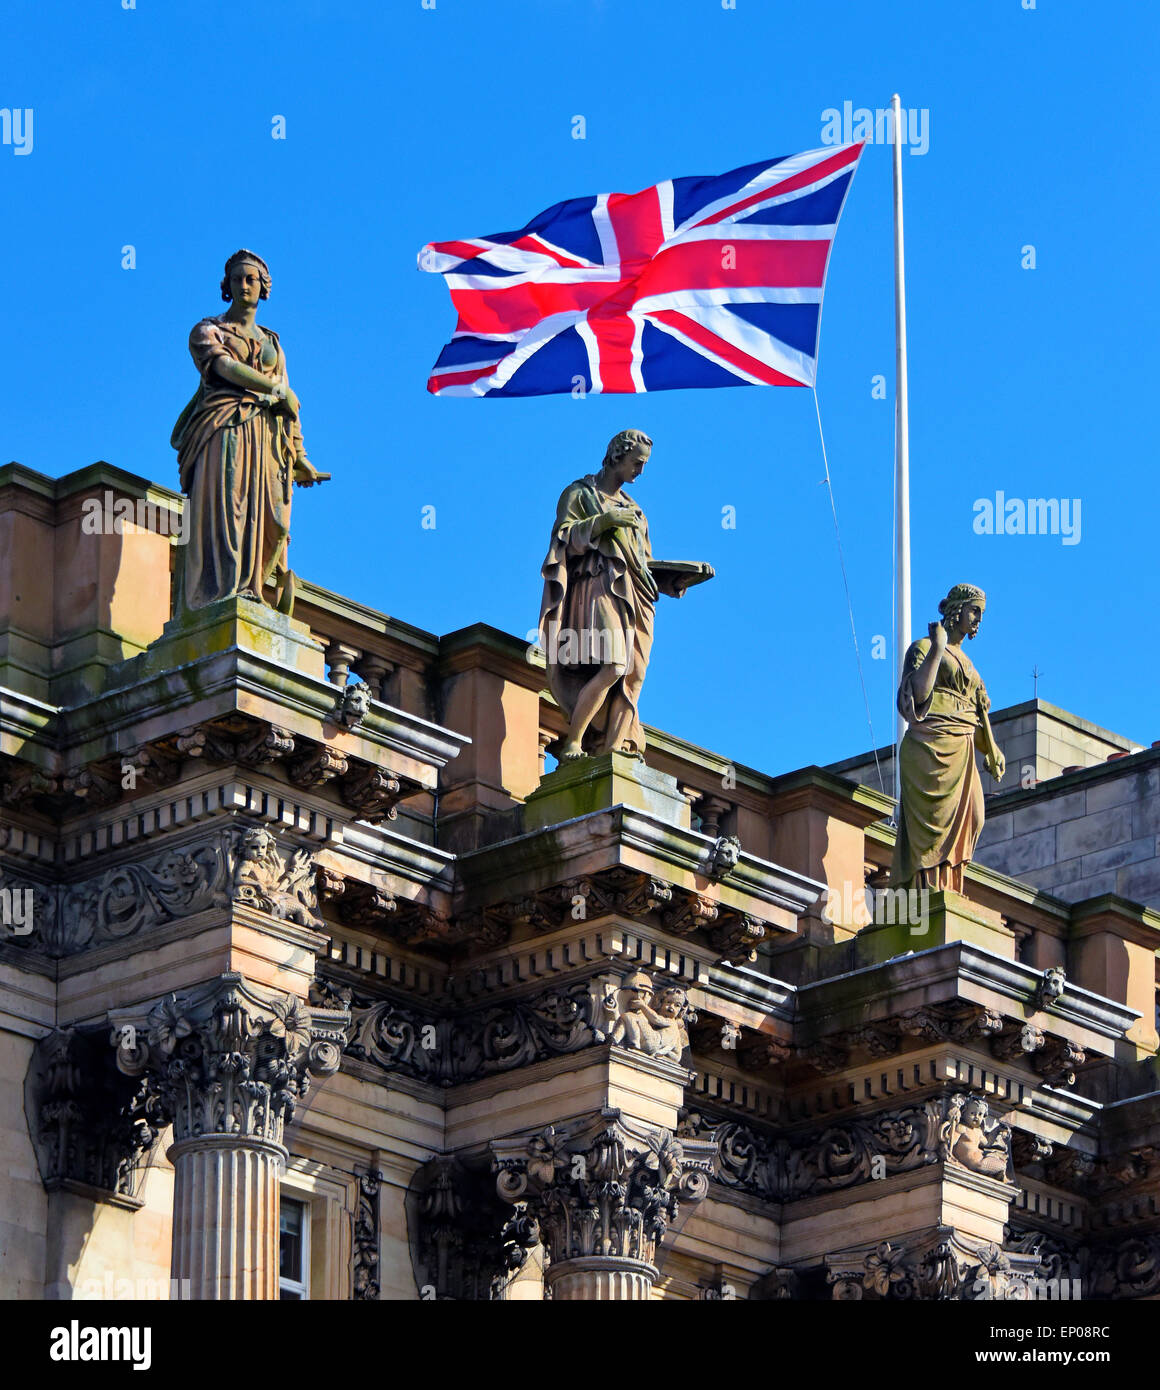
[293,1249]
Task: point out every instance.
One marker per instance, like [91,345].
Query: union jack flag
[694,282]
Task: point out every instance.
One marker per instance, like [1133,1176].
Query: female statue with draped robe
[945,704]
[239,452]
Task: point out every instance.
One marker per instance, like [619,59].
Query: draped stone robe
[235,457]
[598,608]
[941,815]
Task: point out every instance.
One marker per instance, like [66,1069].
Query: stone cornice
[940,973]
[362,619]
[1064,782]
[747,989]
[1126,919]
[816,786]
[98,474]
[239,680]
[489,871]
[25,726]
[481,647]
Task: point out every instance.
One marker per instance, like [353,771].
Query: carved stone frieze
[1064,1262]
[1128,1268]
[786,1167]
[427,1045]
[238,864]
[942,1266]
[272,881]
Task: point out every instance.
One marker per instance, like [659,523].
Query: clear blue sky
[152,127]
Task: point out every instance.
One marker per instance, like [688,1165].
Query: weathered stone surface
[1096,832]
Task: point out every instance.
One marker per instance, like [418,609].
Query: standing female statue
[945,704]
[239,451]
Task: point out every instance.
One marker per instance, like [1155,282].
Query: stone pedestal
[235,622]
[917,919]
[579,787]
[225,1216]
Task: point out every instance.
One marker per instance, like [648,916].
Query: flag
[695,282]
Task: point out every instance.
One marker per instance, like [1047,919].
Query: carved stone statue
[239,452]
[970,1139]
[637,1025]
[600,590]
[945,704]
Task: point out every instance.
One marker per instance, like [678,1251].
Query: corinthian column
[228,1064]
[600,1194]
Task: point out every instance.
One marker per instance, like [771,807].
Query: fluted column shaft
[601,1277]
[225,1216]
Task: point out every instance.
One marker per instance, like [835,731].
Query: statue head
[974,1113]
[639,988]
[958,607]
[240,258]
[671,1002]
[629,446]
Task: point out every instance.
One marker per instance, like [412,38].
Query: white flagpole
[902,441]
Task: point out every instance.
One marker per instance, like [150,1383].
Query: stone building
[314,985]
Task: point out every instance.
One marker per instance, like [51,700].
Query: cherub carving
[969,1139]
[636,1024]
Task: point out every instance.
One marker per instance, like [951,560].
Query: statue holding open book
[601,586]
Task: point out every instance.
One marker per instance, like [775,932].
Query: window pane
[290,1240]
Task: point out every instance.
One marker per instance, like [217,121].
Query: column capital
[601,1192]
[228,1059]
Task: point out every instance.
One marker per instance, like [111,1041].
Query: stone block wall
[1086,833]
